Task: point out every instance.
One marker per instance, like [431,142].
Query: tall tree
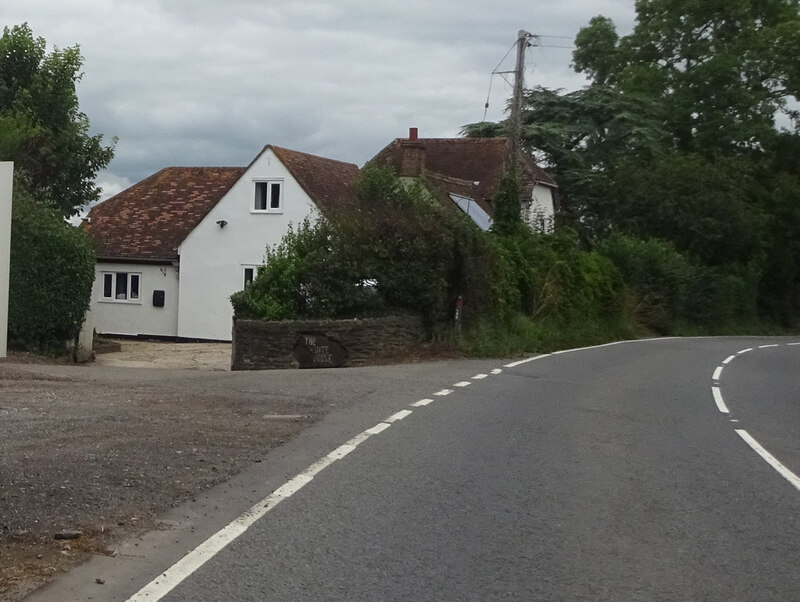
[722,69]
[41,126]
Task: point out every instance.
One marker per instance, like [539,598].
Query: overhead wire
[503,73]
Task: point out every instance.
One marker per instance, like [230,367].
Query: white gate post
[6,180]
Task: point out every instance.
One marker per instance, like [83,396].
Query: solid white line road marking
[422,402]
[525,361]
[496,371]
[770,459]
[398,416]
[479,376]
[443,392]
[718,399]
[463,383]
[717,373]
[728,360]
[172,577]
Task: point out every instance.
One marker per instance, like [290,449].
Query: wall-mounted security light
[222,223]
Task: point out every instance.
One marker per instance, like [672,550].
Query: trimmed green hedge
[51,276]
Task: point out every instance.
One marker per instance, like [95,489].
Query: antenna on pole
[515,129]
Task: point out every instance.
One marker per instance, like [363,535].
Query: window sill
[266,211]
[121,301]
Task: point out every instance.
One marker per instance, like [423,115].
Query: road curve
[607,473]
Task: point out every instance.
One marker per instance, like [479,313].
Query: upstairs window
[269,196]
[122,286]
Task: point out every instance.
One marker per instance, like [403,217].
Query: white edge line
[398,416]
[770,459]
[378,428]
[174,575]
[719,401]
[421,402]
[717,373]
[728,360]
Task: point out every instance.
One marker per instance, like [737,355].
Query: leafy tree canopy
[722,69]
[41,127]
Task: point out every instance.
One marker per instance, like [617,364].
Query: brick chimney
[412,159]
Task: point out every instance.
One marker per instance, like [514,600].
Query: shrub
[51,276]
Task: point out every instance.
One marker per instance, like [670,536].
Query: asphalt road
[600,474]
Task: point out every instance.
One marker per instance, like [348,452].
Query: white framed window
[123,287]
[249,272]
[268,196]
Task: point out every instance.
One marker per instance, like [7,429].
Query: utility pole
[515,133]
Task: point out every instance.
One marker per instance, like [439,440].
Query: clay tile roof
[328,182]
[149,220]
[468,159]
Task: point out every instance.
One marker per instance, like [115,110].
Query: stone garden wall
[260,345]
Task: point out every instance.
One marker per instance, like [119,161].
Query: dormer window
[268,196]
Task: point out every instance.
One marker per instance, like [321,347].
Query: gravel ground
[92,454]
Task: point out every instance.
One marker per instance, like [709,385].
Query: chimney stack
[412,158]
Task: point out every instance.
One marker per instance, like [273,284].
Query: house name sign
[316,351]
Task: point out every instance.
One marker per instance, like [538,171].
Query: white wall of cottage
[213,257]
[137,317]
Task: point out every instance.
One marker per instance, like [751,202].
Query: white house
[174,247]
[466,172]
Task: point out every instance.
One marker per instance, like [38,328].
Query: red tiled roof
[468,159]
[329,183]
[149,220]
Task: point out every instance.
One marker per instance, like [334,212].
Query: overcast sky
[207,83]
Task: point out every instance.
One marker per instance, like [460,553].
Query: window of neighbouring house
[122,286]
[269,196]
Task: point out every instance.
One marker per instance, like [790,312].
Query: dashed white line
[728,360]
[744,351]
[767,346]
[398,416]
[479,376]
[422,402]
[496,371]
[770,459]
[792,344]
[443,392]
[463,383]
[717,373]
[719,401]
[378,428]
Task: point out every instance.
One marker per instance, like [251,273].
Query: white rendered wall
[542,209]
[6,181]
[213,258]
[115,317]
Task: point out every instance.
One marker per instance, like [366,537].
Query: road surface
[650,470]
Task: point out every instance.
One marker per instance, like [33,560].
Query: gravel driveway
[93,453]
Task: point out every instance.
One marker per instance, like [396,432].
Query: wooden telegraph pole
[515,133]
